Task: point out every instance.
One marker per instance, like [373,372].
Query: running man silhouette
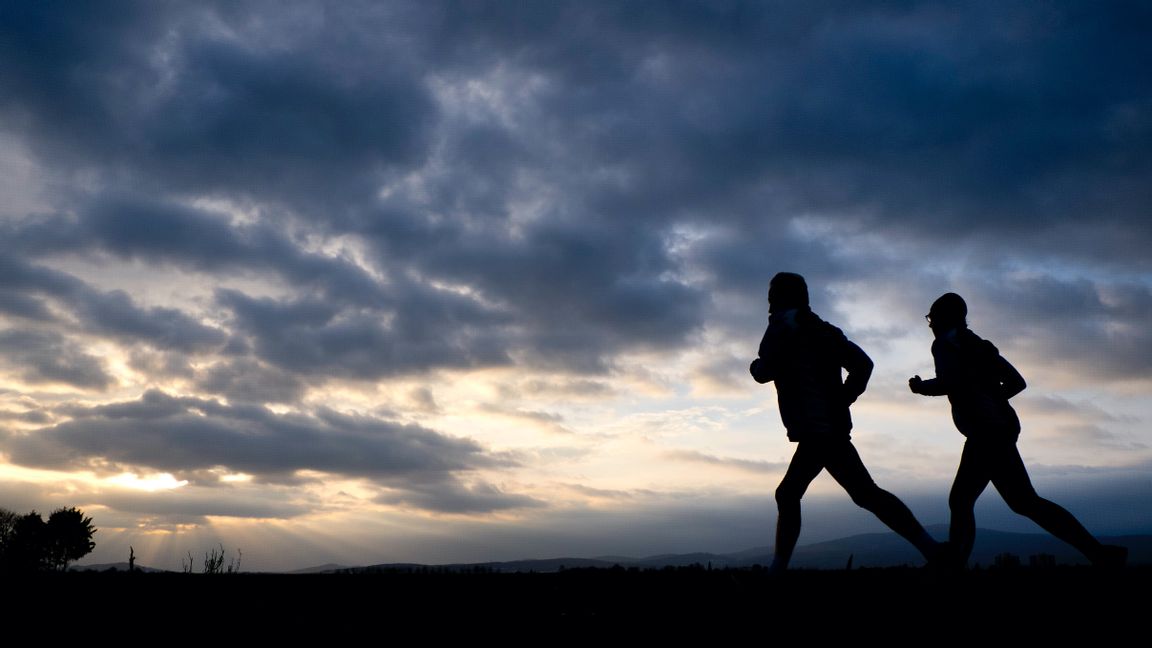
[804,355]
[979,382]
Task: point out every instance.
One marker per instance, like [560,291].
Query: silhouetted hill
[546,565]
[320,569]
[755,552]
[866,550]
[681,560]
[890,550]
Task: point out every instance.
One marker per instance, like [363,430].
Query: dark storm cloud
[355,326]
[164,93]
[451,496]
[244,380]
[273,112]
[1100,327]
[580,289]
[557,184]
[244,119]
[190,504]
[435,329]
[171,234]
[114,314]
[928,114]
[23,306]
[164,433]
[57,41]
[736,265]
[593,290]
[45,357]
[19,275]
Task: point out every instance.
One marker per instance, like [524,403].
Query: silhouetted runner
[978,382]
[804,355]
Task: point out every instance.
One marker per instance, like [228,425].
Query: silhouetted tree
[24,548]
[28,543]
[68,536]
[7,523]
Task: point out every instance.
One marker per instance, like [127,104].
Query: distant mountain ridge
[866,550]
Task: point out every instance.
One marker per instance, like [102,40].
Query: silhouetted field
[1025,603]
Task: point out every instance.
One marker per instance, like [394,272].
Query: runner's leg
[806,464]
[844,464]
[1010,478]
[972,478]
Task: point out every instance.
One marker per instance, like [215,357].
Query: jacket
[804,355]
[978,382]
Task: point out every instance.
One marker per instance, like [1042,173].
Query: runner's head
[947,313]
[787,290]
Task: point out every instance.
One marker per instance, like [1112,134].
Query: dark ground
[1057,603]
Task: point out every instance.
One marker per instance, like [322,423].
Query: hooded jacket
[804,355]
[978,382]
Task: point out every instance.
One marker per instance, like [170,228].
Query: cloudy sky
[367,282]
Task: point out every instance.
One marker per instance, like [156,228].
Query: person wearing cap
[979,383]
[804,356]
